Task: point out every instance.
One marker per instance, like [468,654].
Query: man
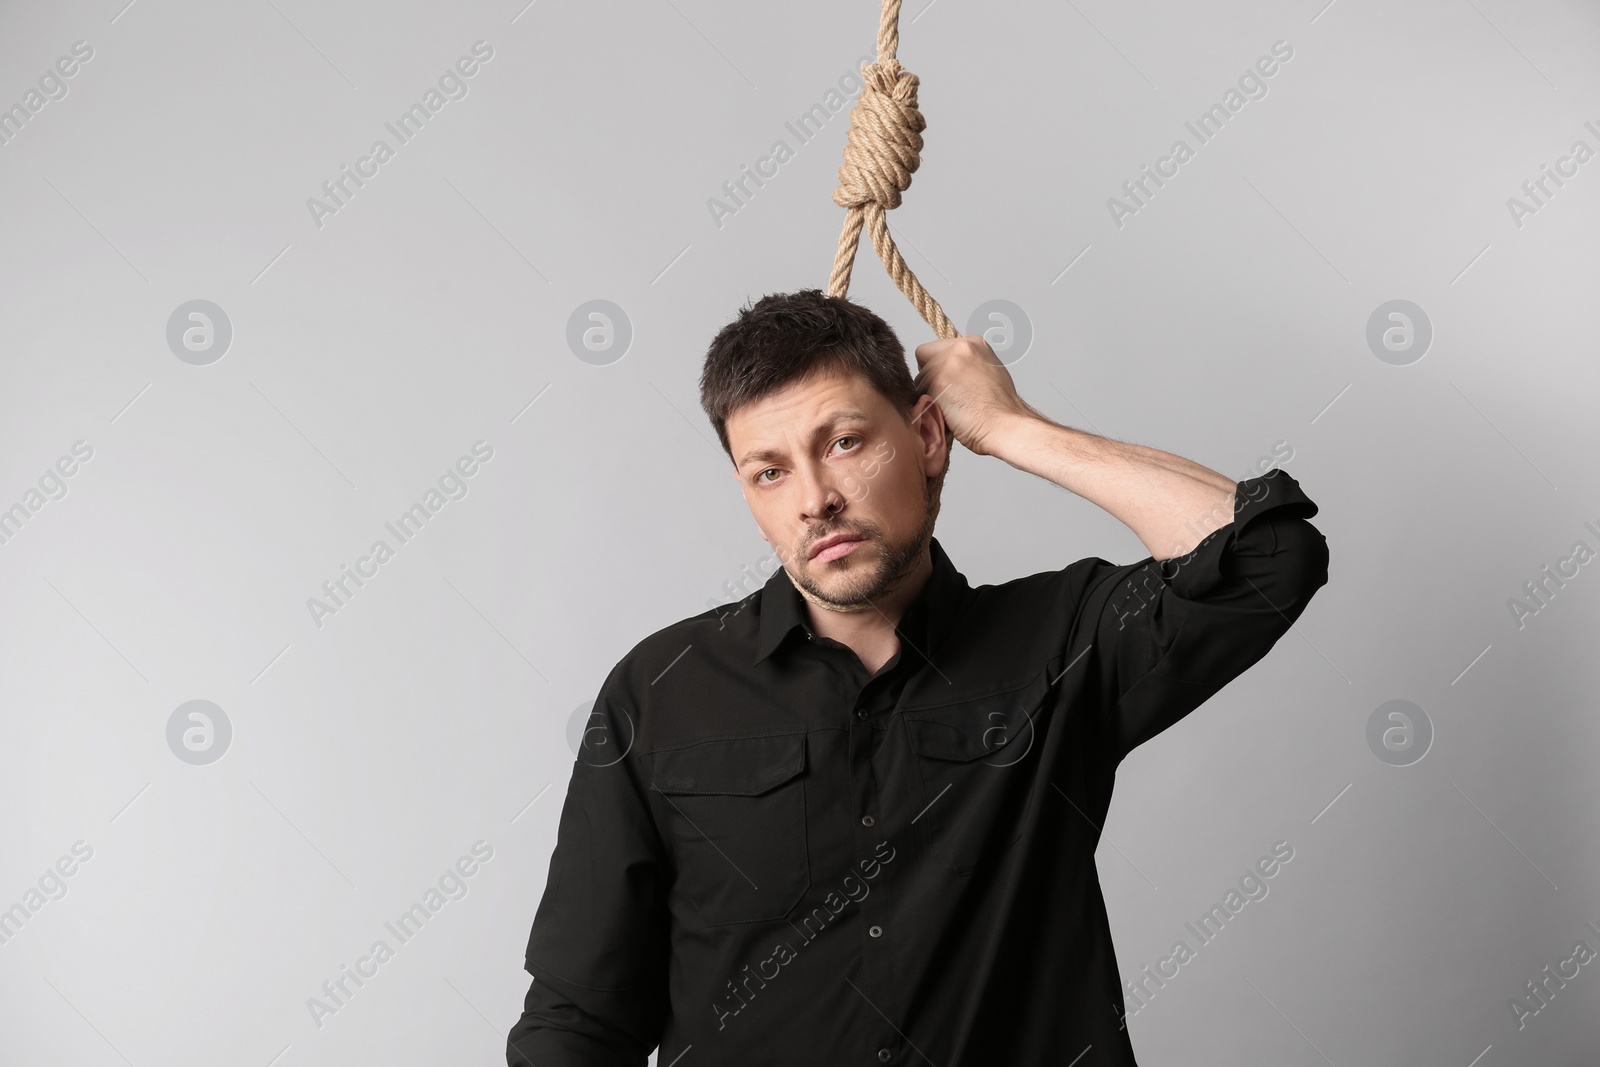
[852,818]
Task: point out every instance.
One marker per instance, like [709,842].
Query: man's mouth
[835,547]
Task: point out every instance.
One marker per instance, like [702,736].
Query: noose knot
[883,148]
[881,153]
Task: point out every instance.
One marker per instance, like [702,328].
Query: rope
[880,155]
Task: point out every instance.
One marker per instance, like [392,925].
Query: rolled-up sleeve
[598,948]
[1163,636]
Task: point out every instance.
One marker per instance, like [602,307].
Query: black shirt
[767,857]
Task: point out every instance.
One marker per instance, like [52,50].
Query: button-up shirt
[768,856]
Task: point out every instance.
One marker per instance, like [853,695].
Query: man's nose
[821,498]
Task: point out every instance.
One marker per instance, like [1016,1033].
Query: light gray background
[1227,316]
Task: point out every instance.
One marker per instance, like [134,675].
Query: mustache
[811,542]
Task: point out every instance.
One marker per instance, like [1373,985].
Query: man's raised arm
[1232,564]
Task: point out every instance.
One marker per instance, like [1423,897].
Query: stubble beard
[896,562]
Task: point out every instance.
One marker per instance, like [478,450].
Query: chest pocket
[736,822]
[976,758]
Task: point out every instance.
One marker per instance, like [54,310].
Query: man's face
[832,439]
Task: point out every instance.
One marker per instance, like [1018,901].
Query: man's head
[813,402]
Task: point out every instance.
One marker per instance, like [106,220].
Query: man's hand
[972,388]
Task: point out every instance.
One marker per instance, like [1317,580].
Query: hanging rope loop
[882,151]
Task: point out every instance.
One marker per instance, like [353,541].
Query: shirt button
[867,820]
[884,1054]
[875,931]
[861,713]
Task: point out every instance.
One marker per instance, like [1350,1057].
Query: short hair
[785,337]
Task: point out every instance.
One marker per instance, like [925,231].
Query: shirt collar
[925,621]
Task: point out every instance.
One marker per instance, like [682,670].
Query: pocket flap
[733,766]
[980,726]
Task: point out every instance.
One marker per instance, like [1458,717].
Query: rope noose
[880,155]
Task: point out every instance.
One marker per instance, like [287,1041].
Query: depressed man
[852,818]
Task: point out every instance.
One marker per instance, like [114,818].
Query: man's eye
[848,437]
[769,470]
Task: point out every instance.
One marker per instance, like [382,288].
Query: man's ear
[927,419]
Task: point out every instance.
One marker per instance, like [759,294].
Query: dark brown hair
[783,337]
